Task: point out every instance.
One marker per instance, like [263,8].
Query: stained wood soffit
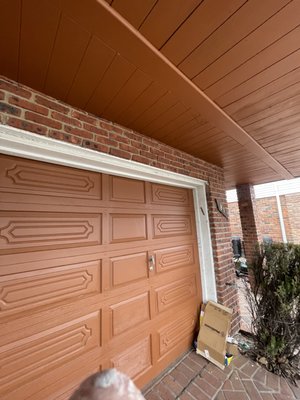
[118,33]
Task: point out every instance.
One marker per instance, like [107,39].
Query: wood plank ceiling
[217,79]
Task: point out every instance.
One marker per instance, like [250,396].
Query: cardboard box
[214,329]
[232,348]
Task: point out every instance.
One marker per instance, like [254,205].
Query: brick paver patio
[194,378]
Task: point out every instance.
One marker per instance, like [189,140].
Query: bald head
[107,385]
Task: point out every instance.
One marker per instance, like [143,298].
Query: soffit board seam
[162,69]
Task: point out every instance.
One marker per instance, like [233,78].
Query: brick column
[249,219]
[221,241]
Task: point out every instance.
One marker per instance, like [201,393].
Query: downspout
[281,221]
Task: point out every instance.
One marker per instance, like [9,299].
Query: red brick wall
[235,220]
[249,219]
[268,218]
[288,220]
[27,109]
[292,221]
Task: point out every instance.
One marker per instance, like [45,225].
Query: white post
[281,220]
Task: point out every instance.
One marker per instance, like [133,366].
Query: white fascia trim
[25,144]
[19,143]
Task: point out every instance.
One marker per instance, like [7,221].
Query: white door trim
[16,142]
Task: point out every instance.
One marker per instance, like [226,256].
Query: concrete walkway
[193,378]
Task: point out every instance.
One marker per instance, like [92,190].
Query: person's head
[107,385]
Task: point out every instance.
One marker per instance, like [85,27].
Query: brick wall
[249,219]
[32,111]
[235,220]
[268,218]
[292,220]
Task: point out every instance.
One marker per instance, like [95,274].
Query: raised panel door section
[128,268]
[175,293]
[169,195]
[66,389]
[135,360]
[130,313]
[29,290]
[127,227]
[31,230]
[171,225]
[127,190]
[180,329]
[78,294]
[174,257]
[31,177]
[33,356]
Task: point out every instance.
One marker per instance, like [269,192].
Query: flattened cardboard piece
[214,328]
[232,348]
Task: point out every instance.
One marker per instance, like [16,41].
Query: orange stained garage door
[96,271]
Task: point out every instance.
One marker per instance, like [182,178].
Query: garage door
[96,271]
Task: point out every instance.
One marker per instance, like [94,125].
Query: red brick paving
[193,378]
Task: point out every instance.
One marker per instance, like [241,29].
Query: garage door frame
[19,143]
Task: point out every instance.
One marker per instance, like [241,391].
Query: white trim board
[16,142]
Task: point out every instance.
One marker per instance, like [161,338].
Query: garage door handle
[151,263]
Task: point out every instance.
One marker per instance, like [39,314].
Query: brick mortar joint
[167,371]
[220,388]
[199,375]
[191,381]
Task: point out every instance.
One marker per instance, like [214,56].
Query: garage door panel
[68,390]
[16,327]
[126,190]
[32,231]
[26,176]
[135,360]
[15,261]
[57,383]
[77,289]
[128,268]
[171,225]
[163,194]
[150,244]
[127,227]
[180,330]
[174,257]
[47,204]
[130,313]
[168,296]
[63,389]
[47,350]
[29,290]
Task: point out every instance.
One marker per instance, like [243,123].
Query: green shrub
[274,299]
